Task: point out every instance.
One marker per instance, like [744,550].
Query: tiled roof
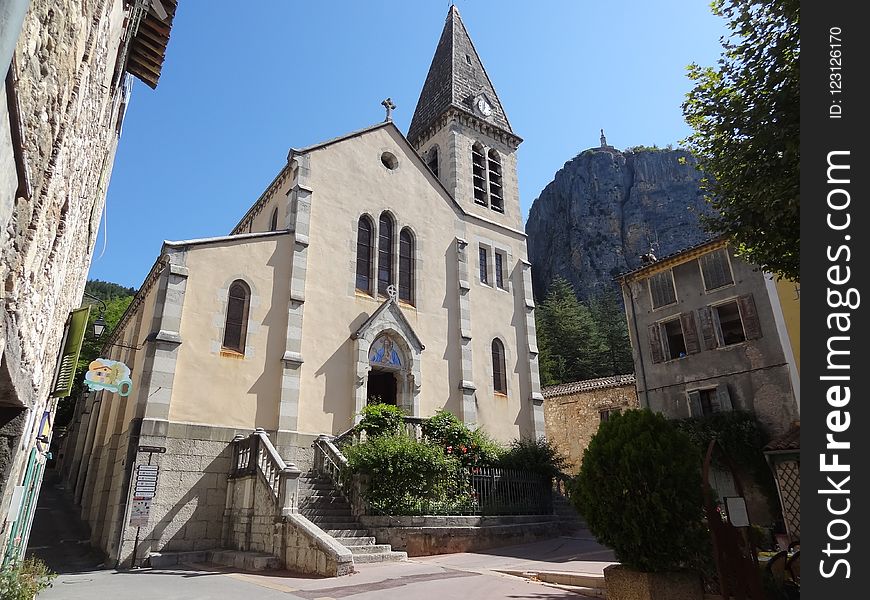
[790,441]
[456,77]
[661,259]
[565,389]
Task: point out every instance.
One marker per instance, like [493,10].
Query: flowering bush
[471,447]
[380,419]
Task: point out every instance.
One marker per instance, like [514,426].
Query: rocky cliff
[605,208]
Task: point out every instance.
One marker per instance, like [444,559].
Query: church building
[375,266]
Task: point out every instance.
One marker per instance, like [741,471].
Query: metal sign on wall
[143,493]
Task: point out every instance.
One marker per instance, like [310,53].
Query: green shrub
[536,456]
[381,419]
[639,489]
[407,476]
[25,581]
[472,447]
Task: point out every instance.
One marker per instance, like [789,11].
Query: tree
[746,119]
[609,317]
[569,344]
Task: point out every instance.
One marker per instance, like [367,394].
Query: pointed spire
[456,78]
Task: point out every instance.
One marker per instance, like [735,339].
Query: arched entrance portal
[388,364]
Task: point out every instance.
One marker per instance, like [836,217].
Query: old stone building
[573,412]
[67,66]
[712,333]
[374,265]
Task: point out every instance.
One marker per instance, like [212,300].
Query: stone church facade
[374,266]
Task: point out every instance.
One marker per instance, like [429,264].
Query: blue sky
[245,81]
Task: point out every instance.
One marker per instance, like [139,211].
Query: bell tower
[461,130]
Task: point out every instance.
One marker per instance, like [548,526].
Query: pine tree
[609,316]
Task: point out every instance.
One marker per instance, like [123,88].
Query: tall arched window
[496,197]
[236,326]
[273,223]
[478,174]
[499,373]
[385,253]
[432,160]
[364,245]
[406,266]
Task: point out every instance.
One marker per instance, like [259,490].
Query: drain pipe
[630,296]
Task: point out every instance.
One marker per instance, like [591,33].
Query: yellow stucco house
[374,264]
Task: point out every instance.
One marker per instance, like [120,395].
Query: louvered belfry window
[496,198]
[478,176]
[406,266]
[364,255]
[385,253]
[235,329]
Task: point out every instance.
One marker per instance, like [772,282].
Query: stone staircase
[567,514]
[323,505]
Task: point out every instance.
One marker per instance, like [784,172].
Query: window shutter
[690,333]
[695,404]
[708,332]
[69,356]
[751,324]
[724,397]
[655,343]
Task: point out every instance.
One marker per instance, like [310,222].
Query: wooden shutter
[690,333]
[77,324]
[695,409]
[724,397]
[708,332]
[655,343]
[751,324]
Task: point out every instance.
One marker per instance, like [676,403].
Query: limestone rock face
[605,208]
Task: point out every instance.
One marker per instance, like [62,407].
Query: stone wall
[572,412]
[426,536]
[66,130]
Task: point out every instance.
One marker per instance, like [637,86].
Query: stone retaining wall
[425,536]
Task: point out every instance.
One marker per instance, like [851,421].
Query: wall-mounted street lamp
[100,327]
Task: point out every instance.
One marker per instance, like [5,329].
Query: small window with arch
[236,323]
[499,372]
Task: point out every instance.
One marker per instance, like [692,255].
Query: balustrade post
[290,489]
[319,444]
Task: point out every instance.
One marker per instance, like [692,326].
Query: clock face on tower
[483,106]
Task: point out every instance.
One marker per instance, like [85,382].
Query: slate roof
[790,441]
[456,77]
[565,389]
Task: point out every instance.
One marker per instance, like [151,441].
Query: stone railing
[256,454]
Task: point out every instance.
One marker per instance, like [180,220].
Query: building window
[705,402]
[478,177]
[675,343]
[273,222]
[729,326]
[496,197]
[499,269]
[499,375]
[604,415]
[385,253]
[484,267]
[432,160]
[661,289]
[406,266]
[236,326]
[364,255]
[716,270]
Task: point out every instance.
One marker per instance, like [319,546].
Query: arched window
[432,160]
[236,326]
[273,222]
[406,266]
[496,198]
[385,253]
[478,176]
[499,374]
[364,254]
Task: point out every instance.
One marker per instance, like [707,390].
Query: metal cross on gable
[388,104]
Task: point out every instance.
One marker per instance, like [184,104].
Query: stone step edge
[591,581]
